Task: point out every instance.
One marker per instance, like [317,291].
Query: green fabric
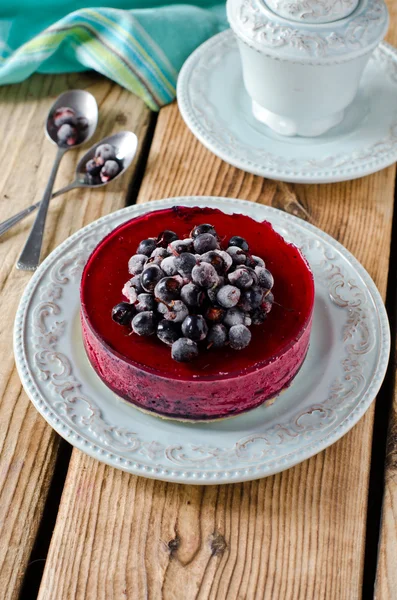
[140,44]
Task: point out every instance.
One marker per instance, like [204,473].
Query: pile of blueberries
[69,125]
[191,293]
[104,166]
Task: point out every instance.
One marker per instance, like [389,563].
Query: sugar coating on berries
[109,170]
[145,302]
[241,278]
[105,152]
[168,266]
[177,312]
[204,275]
[64,114]
[184,263]
[228,296]
[217,336]
[168,289]
[237,255]
[67,135]
[136,263]
[204,243]
[144,323]
[265,278]
[239,337]
[184,350]
[195,293]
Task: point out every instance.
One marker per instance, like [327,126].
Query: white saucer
[345,365]
[215,106]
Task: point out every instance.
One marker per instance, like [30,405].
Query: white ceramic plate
[343,371]
[215,106]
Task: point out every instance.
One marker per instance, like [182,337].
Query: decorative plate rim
[182,474]
[293,175]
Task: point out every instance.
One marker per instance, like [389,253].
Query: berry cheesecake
[196,315]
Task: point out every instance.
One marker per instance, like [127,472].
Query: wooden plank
[28,447]
[299,534]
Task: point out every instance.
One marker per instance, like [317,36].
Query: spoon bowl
[84,105]
[125,144]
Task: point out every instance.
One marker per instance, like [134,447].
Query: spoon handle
[8,223]
[30,256]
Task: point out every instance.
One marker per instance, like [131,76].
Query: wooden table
[73,528]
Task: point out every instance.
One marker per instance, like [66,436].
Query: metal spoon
[126,144]
[84,104]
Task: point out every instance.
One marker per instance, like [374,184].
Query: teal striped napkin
[141,49]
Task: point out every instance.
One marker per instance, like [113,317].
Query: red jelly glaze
[219,383]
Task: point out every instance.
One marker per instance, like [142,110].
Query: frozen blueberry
[268,302]
[185,263]
[204,228]
[177,312]
[82,123]
[258,316]
[217,336]
[67,135]
[145,302]
[254,261]
[168,266]
[92,167]
[150,277]
[64,114]
[251,299]
[109,170]
[192,294]
[205,275]
[105,152]
[239,337]
[234,316]
[184,350]
[194,327]
[153,260]
[204,243]
[238,256]
[265,278]
[159,252]
[132,288]
[168,289]
[144,323]
[216,260]
[212,291]
[179,246]
[226,257]
[228,296]
[215,314]
[240,242]
[136,264]
[146,246]
[168,332]
[165,238]
[241,278]
[123,313]
[162,308]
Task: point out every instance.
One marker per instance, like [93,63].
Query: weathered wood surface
[28,446]
[299,534]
